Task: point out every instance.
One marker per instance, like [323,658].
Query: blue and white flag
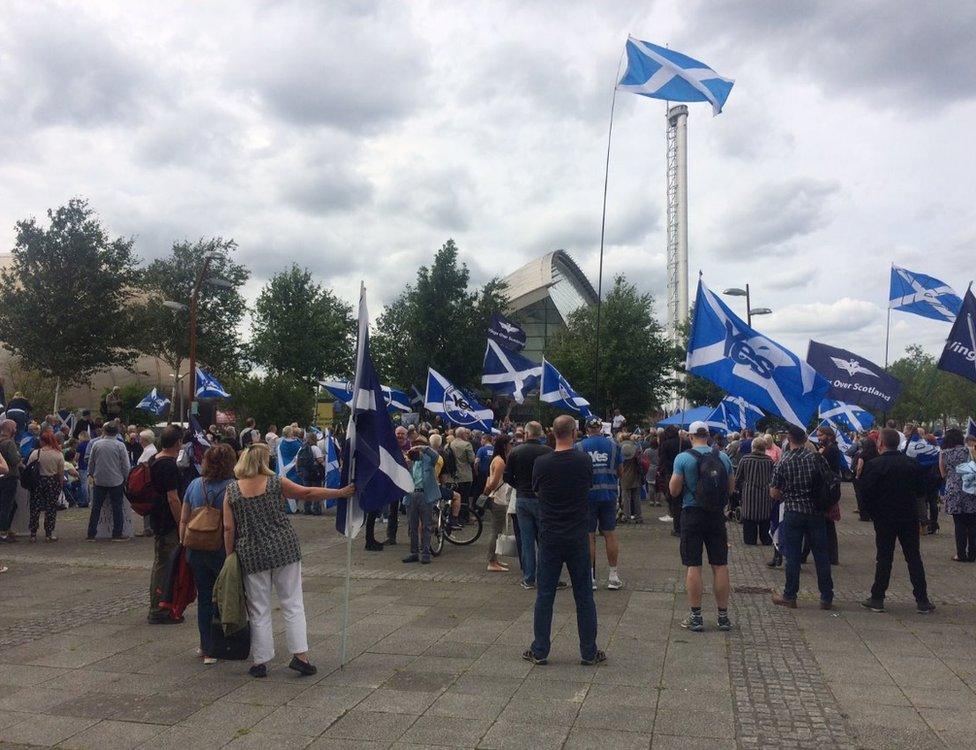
[971,428]
[195,444]
[395,400]
[333,474]
[508,372]
[743,362]
[506,332]
[959,354]
[843,416]
[286,454]
[154,402]
[662,73]
[843,444]
[923,295]
[853,379]
[68,418]
[557,391]
[208,387]
[922,451]
[374,461]
[734,414]
[458,407]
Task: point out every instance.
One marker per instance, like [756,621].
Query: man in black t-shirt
[164,519]
[561,481]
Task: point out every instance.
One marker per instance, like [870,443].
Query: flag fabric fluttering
[458,407]
[923,295]
[507,333]
[373,459]
[68,418]
[287,465]
[208,387]
[734,414]
[971,428]
[154,402]
[509,373]
[195,443]
[853,379]
[843,444]
[662,73]
[395,400]
[556,390]
[743,362]
[843,416]
[959,354]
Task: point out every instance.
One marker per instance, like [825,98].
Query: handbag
[233,647]
[205,529]
[506,545]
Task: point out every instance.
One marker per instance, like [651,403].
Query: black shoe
[411,558]
[302,667]
[390,543]
[875,605]
[373,546]
[530,657]
[925,608]
[598,657]
[425,560]
[258,670]
[561,584]
[165,620]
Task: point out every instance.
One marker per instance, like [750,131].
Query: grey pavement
[434,656]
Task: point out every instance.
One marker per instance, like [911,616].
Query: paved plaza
[435,656]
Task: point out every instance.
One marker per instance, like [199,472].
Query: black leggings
[756,530]
[965,524]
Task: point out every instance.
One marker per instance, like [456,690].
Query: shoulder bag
[205,529]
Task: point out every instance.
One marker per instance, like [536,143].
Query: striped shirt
[605,455]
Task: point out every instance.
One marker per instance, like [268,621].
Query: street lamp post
[750,310]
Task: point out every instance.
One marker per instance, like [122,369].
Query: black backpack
[311,472]
[826,485]
[30,473]
[712,489]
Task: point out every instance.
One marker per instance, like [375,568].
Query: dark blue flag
[959,355]
[506,333]
[854,379]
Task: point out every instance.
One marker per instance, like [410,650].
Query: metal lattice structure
[677,173]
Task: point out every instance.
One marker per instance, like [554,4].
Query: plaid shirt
[793,476]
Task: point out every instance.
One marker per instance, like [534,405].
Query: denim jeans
[575,554]
[313,509]
[98,498]
[206,567]
[420,513]
[527,512]
[795,525]
[81,489]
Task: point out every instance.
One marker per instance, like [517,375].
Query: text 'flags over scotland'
[923,295]
[959,355]
[557,391]
[662,73]
[154,402]
[505,332]
[845,416]
[208,387]
[458,407]
[508,372]
[854,379]
[723,349]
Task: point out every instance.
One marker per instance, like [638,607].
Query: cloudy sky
[356,137]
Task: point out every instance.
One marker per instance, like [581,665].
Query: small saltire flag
[374,461]
[68,418]
[195,442]
[458,407]
[959,354]
[662,73]
[971,428]
[154,402]
[557,391]
[208,387]
[845,416]
[716,421]
[286,453]
[734,414]
[922,451]
[508,372]
[923,295]
[843,444]
[743,362]
[396,400]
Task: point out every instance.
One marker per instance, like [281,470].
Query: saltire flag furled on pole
[208,387]
[509,373]
[374,461]
[734,414]
[342,389]
[923,295]
[154,402]
[845,416]
[557,391]
[959,355]
[333,475]
[662,73]
[854,379]
[743,362]
[455,405]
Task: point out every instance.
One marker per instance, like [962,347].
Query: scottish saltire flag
[458,407]
[195,443]
[68,418]
[154,402]
[557,391]
[971,428]
[743,362]
[923,295]
[716,421]
[342,390]
[733,414]
[662,73]
[374,461]
[959,354]
[843,416]
[508,372]
[843,444]
[287,465]
[208,387]
[922,451]
[417,399]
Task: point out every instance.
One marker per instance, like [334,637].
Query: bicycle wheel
[468,533]
[437,533]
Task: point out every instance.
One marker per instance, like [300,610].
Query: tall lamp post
[750,310]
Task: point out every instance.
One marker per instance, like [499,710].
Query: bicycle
[469,532]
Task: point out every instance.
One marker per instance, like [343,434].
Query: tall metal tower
[677,139]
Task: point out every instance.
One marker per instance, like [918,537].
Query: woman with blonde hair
[268,550]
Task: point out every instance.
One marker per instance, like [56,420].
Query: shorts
[603,516]
[702,528]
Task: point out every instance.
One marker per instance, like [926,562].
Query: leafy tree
[636,360]
[276,398]
[301,328]
[66,296]
[36,388]
[929,394]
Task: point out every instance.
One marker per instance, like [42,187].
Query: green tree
[929,394]
[636,360]
[66,296]
[273,399]
[302,328]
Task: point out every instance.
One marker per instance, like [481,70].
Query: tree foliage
[66,296]
[929,394]
[302,328]
[636,360]
[273,399]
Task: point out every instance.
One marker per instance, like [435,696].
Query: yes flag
[458,407]
[342,389]
[154,402]
[959,355]
[374,461]
[923,295]
[845,416]
[854,379]
[508,372]
[662,73]
[506,333]
[557,391]
[208,387]
[743,362]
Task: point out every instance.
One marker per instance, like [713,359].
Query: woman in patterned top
[958,504]
[268,550]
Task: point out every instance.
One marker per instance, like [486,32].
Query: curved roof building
[543,293]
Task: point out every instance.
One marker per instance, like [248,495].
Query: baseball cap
[594,422]
[698,428]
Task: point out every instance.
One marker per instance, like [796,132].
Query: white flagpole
[345,603]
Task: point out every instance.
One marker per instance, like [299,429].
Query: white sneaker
[614,582]
[666,519]
[594,583]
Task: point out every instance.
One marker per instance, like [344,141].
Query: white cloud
[845,314]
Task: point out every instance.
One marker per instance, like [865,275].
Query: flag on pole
[959,354]
[154,402]
[853,379]
[374,461]
[557,391]
[508,372]
[395,400]
[971,428]
[734,414]
[923,295]
[208,387]
[839,415]
[662,73]
[195,443]
[510,335]
[843,444]
[286,454]
[68,418]
[743,362]
[458,407]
